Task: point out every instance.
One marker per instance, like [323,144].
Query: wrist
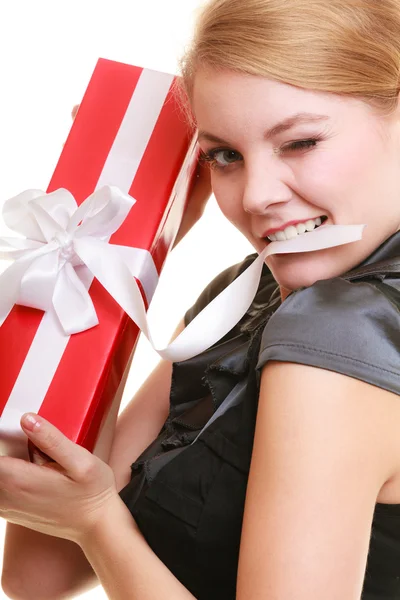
[110,518]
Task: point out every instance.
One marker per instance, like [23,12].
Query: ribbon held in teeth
[63,241]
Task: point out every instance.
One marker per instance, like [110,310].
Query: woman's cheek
[228,196]
[221,194]
[320,179]
[232,210]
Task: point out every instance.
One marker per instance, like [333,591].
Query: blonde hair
[347,47]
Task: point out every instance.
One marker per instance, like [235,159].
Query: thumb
[54,444]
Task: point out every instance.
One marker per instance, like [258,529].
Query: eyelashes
[229,157]
[303,144]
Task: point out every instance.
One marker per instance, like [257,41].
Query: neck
[284,293]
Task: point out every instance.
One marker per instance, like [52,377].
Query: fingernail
[30,422]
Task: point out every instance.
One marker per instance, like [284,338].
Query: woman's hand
[65,498]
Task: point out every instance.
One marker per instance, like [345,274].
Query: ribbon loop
[102,213]
[38,282]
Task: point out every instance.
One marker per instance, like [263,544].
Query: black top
[188,498]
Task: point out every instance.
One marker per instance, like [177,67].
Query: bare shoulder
[325,446]
[321,408]
[311,392]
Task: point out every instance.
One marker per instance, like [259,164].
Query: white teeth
[301,228]
[294,230]
[310,225]
[290,232]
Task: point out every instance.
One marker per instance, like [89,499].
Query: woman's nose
[264,186]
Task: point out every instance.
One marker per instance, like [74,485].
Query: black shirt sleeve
[348,327]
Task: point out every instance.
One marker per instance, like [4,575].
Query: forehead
[225,99]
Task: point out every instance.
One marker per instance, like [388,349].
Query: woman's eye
[220,158]
[301,145]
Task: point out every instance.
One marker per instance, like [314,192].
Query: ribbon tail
[108,267]
[324,237]
[218,317]
[141,266]
[224,311]
[207,328]
[72,302]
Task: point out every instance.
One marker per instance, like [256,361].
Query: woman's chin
[294,271]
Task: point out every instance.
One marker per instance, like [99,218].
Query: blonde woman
[276,474]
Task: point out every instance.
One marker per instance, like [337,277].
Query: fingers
[74,111]
[51,444]
[38,457]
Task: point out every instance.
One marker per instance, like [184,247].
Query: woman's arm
[318,465]
[39,566]
[320,459]
[125,564]
[325,444]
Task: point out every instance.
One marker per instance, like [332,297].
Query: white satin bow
[61,238]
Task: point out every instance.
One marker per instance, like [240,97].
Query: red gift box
[129,132]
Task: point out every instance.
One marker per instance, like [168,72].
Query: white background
[48,49]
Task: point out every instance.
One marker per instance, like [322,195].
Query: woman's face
[271,169]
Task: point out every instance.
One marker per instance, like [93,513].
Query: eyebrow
[288,123]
